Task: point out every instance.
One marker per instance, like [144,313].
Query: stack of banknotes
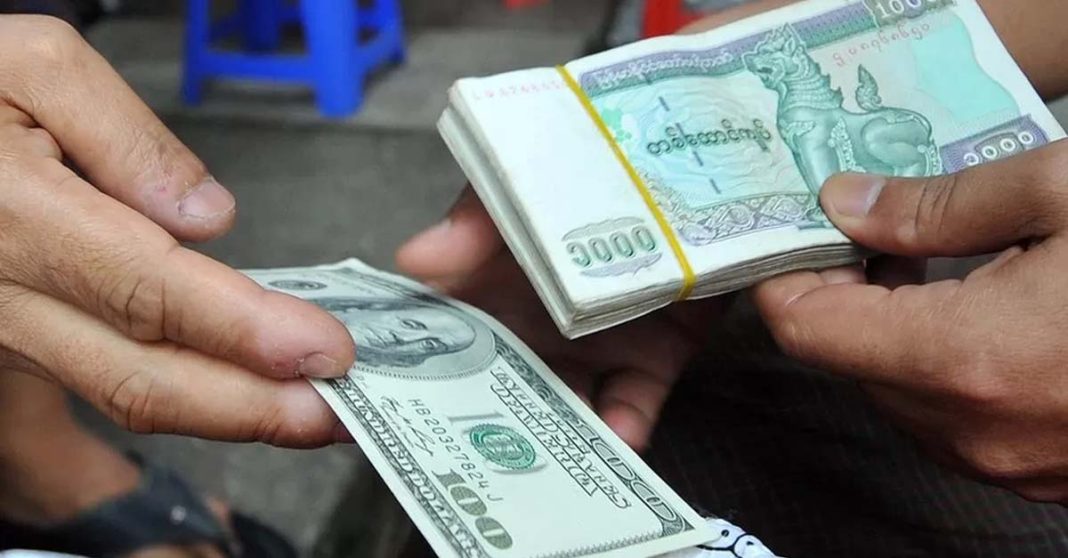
[690,166]
[488,452]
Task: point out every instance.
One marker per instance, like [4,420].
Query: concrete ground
[311,192]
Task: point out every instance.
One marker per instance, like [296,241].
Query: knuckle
[270,427]
[135,303]
[144,397]
[46,40]
[992,461]
[968,382]
[975,378]
[928,215]
[131,402]
[130,295]
[48,50]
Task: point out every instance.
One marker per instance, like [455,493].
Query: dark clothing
[802,461]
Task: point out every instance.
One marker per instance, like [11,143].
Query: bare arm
[1033,31]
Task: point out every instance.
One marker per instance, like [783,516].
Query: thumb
[452,250]
[864,332]
[980,210]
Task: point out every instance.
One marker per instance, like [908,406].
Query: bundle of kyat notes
[690,166]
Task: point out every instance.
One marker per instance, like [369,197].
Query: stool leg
[331,31]
[390,15]
[197,43]
[384,18]
[261,22]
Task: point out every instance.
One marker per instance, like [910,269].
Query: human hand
[95,291]
[625,373]
[975,369]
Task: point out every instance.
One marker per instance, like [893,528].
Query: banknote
[684,167]
[484,447]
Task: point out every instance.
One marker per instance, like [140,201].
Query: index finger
[162,387]
[80,246]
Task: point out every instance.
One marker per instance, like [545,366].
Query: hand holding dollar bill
[685,167]
[485,448]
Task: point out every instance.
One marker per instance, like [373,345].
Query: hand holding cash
[672,169]
[626,373]
[685,167]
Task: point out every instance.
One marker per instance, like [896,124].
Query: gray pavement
[311,191]
[409,97]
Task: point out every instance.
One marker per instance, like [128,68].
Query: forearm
[1033,31]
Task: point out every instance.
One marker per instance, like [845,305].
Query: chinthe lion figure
[823,135]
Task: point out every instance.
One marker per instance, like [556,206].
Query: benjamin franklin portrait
[411,337]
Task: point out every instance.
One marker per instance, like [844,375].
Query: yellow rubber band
[688,278]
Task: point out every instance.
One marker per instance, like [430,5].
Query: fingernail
[853,195]
[207,200]
[319,365]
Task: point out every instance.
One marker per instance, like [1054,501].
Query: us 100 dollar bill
[485,448]
[690,166]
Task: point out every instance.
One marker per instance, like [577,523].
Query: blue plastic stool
[338,57]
